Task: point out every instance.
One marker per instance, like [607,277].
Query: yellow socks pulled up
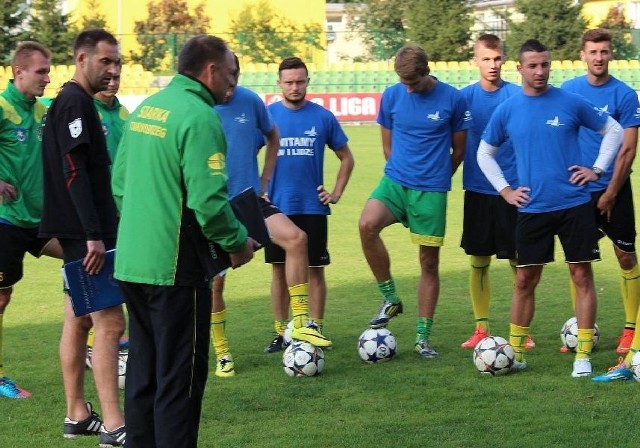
[629,289]
[299,295]
[480,290]
[218,334]
[585,343]
[518,340]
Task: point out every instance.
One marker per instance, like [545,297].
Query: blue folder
[90,293]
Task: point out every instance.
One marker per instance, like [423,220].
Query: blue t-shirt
[304,133]
[544,132]
[245,120]
[614,98]
[422,127]
[481,104]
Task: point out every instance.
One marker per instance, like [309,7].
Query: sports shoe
[310,333]
[618,372]
[517,366]
[276,345]
[529,344]
[123,344]
[625,341]
[564,349]
[10,389]
[581,368]
[90,426]
[476,337]
[113,438]
[387,311]
[89,359]
[423,349]
[225,367]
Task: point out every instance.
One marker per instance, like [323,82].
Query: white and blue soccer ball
[123,357]
[635,366]
[493,356]
[302,359]
[569,334]
[286,337]
[376,345]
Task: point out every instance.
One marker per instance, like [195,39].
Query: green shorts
[423,212]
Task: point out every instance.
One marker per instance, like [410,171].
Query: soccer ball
[569,334]
[122,368]
[303,359]
[493,356]
[286,337]
[376,345]
[635,366]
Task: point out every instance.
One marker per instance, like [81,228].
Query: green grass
[407,402]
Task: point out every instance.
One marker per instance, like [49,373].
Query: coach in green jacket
[170,186]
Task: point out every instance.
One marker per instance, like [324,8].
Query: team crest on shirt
[105,129]
[467,115]
[242,119]
[311,132]
[602,110]
[75,127]
[434,117]
[555,122]
[21,135]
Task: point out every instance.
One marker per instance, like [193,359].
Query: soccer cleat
[581,368]
[517,366]
[123,344]
[113,438]
[618,372]
[476,337]
[276,345]
[310,333]
[564,349]
[387,311]
[625,341]
[529,344]
[423,349]
[10,389]
[225,367]
[90,426]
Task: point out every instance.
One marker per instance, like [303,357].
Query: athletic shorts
[315,226]
[489,226]
[621,229]
[14,243]
[423,212]
[267,208]
[576,230]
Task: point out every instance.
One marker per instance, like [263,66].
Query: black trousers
[168,364]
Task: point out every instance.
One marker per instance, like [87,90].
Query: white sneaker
[581,368]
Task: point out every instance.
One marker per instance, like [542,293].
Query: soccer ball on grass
[376,345]
[302,359]
[493,356]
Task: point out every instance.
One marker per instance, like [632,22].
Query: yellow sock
[299,295]
[630,288]
[91,337]
[218,336]
[518,339]
[480,290]
[279,326]
[573,294]
[635,342]
[585,343]
[1,365]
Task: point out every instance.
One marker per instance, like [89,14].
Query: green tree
[558,24]
[263,35]
[620,27]
[96,19]
[380,25]
[168,26]
[12,15]
[51,27]
[442,28]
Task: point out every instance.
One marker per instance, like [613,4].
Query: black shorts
[575,227]
[267,208]
[621,229]
[315,226]
[489,226]
[14,243]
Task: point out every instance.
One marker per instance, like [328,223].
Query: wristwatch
[597,171]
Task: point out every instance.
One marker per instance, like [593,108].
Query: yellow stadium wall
[122,14]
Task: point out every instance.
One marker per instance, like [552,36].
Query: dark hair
[596,35]
[89,39]
[533,45]
[411,62]
[291,63]
[200,51]
[25,49]
[490,41]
